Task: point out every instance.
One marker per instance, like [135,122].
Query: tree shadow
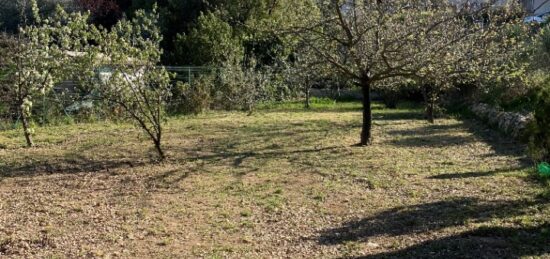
[237,158]
[476,174]
[70,164]
[431,136]
[433,141]
[484,242]
[397,115]
[224,150]
[424,218]
[311,110]
[168,180]
[444,135]
[428,130]
[264,142]
[500,143]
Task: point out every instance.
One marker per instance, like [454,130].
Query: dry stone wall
[511,123]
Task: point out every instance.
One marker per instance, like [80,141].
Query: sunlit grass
[283,181]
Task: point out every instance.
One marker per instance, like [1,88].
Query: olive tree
[371,41]
[128,58]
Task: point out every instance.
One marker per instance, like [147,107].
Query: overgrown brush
[539,128]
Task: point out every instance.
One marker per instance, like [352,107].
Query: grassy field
[282,183]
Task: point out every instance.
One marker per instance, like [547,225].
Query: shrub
[390,97]
[539,128]
[195,98]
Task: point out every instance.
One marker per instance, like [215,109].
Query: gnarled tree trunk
[158,147]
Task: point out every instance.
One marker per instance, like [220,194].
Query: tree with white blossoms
[132,78]
[371,41]
[42,57]
[488,50]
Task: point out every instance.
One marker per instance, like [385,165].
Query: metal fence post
[189,75]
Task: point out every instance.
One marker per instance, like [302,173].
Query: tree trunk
[307,90]
[308,99]
[391,99]
[367,112]
[430,112]
[429,102]
[158,147]
[26,128]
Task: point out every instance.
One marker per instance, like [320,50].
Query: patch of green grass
[246,213]
[316,104]
[272,203]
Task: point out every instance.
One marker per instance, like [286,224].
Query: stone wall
[511,123]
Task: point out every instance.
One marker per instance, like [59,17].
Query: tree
[373,41]
[212,41]
[129,56]
[299,73]
[40,57]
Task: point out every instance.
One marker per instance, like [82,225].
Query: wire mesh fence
[71,101]
[187,74]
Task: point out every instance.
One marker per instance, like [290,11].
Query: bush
[391,97]
[539,128]
[195,98]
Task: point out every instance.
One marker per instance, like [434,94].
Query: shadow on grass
[444,136]
[390,115]
[422,218]
[433,141]
[242,143]
[265,142]
[168,180]
[428,130]
[500,144]
[485,242]
[428,217]
[312,109]
[239,157]
[74,164]
[475,174]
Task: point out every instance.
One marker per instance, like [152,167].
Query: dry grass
[278,184]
